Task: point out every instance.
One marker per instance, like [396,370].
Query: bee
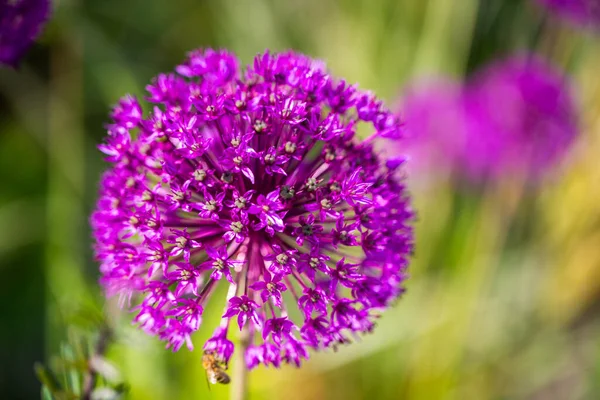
[215,369]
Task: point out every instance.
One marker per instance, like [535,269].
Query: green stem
[239,381]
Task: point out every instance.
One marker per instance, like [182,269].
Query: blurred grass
[504,296]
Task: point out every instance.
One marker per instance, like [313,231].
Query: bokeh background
[504,296]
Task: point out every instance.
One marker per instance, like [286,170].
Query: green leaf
[47,378]
[46,395]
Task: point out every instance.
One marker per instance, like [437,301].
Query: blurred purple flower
[435,125]
[20,24]
[522,118]
[514,116]
[256,180]
[582,12]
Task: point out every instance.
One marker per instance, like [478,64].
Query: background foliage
[504,296]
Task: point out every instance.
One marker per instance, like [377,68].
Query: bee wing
[213,377]
[225,379]
[207,381]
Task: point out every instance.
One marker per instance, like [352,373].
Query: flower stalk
[239,381]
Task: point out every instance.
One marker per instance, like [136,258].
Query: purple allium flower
[582,12]
[521,116]
[20,24]
[514,116]
[257,181]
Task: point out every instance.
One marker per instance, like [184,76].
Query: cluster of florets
[256,181]
[516,116]
[20,23]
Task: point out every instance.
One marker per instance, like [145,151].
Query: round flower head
[581,12]
[522,118]
[255,181]
[20,23]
